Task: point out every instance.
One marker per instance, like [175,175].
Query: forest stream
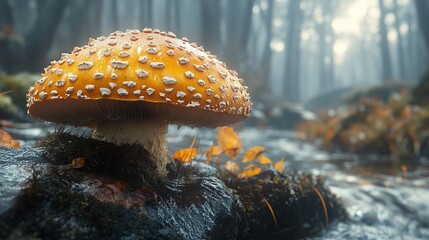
[384,198]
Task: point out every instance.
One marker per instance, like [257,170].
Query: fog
[285,50]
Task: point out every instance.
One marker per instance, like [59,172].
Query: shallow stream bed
[385,198]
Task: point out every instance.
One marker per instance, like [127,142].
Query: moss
[52,208]
[126,162]
[298,209]
[56,203]
[19,85]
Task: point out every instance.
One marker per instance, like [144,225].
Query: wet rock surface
[58,202]
[16,168]
[47,197]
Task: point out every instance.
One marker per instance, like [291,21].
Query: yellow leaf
[264,159]
[229,141]
[250,171]
[212,152]
[231,166]
[185,155]
[279,166]
[78,162]
[253,153]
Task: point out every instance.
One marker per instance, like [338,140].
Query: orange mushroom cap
[138,75]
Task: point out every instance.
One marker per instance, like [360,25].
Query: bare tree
[326,61]
[238,20]
[384,44]
[422,12]
[114,14]
[291,86]
[399,45]
[146,16]
[211,24]
[30,53]
[263,72]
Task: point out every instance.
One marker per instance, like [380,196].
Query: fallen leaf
[231,166]
[325,210]
[253,153]
[78,162]
[6,140]
[271,211]
[279,166]
[185,155]
[229,141]
[264,159]
[212,152]
[250,171]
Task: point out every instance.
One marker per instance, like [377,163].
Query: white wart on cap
[139,77]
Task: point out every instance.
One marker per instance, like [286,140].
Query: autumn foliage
[370,127]
[227,152]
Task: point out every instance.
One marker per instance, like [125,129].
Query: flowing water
[384,198]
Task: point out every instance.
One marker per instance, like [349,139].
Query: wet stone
[115,195]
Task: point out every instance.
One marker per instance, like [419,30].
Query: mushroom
[130,85]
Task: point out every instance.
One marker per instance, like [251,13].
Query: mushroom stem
[150,133]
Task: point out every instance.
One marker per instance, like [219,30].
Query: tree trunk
[6,18]
[247,21]
[210,31]
[169,14]
[238,22]
[114,14]
[8,47]
[291,88]
[29,52]
[411,46]
[384,44]
[177,23]
[145,14]
[401,55]
[265,69]
[422,8]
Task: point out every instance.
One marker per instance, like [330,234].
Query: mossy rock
[114,195]
[18,84]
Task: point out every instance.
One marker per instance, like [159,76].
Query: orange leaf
[264,159]
[325,210]
[185,155]
[271,211]
[7,141]
[216,150]
[78,162]
[231,166]
[279,166]
[253,153]
[250,171]
[213,151]
[229,141]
